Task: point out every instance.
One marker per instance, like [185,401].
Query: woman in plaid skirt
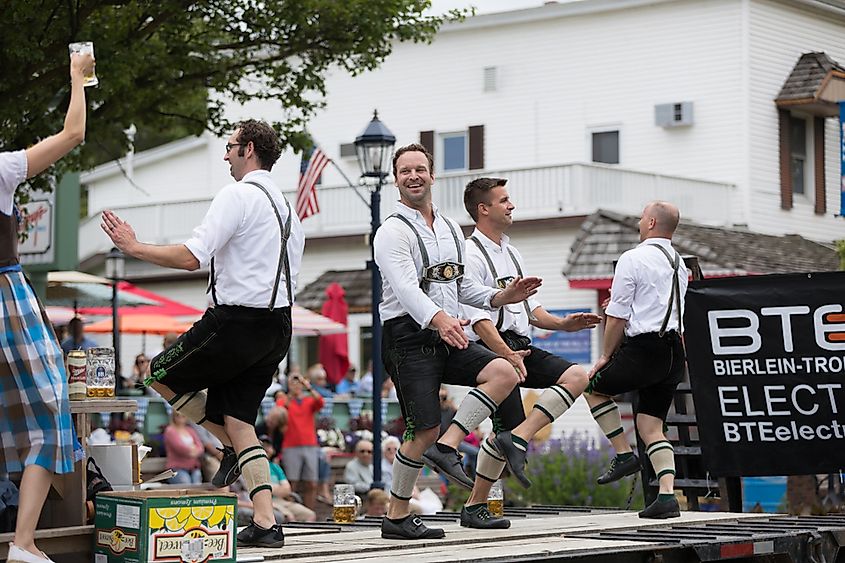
[36,433]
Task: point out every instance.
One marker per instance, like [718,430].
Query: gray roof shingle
[807,77]
[605,235]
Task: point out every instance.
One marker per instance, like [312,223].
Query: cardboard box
[171,525]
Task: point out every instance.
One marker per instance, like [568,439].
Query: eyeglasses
[230,145]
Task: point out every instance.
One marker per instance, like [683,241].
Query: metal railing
[541,192]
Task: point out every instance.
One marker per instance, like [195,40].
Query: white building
[584,105]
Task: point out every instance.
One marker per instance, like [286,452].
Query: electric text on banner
[313,162]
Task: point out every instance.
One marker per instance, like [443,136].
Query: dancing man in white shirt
[643,350]
[420,253]
[493,261]
[216,374]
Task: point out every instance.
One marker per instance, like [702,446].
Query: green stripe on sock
[250,449]
[519,442]
[258,489]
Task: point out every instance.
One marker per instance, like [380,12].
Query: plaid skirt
[35,423]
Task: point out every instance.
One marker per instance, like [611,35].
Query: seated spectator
[365,384]
[283,500]
[139,371]
[77,339]
[389,447]
[347,386]
[359,470]
[376,503]
[184,451]
[319,381]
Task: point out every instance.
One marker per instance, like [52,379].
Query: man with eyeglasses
[493,261]
[217,373]
[359,470]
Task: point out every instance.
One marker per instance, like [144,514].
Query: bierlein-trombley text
[775,401]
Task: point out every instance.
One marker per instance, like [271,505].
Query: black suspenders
[284,261]
[496,277]
[426,260]
[676,290]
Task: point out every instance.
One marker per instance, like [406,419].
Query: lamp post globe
[374,148]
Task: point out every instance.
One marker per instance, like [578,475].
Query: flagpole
[351,185]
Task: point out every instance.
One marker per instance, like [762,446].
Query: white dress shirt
[515,317]
[13,167]
[397,253]
[242,233]
[642,287]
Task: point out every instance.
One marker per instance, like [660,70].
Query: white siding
[780,34]
[558,78]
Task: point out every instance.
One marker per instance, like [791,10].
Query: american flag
[313,162]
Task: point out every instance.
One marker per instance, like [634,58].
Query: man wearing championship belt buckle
[217,373]
[420,254]
[493,261]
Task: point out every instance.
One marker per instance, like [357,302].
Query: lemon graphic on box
[218,514]
[167,512]
[156,521]
[192,523]
[202,512]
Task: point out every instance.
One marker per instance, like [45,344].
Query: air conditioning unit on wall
[677,114]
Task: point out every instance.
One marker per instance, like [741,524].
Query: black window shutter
[427,140]
[476,147]
[785,159]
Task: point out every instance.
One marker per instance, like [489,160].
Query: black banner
[767,367]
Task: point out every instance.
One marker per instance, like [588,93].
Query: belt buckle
[503,282]
[444,272]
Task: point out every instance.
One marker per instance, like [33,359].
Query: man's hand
[580,321]
[517,291]
[600,363]
[120,232]
[450,329]
[516,358]
[81,65]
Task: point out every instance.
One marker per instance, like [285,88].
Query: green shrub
[564,472]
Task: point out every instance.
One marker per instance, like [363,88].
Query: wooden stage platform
[553,533]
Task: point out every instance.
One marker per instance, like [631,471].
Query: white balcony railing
[539,193]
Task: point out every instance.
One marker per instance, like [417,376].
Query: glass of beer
[85,47]
[346,503]
[496,500]
[99,376]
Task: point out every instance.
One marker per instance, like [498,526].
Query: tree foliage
[169,66]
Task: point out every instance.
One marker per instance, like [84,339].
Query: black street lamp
[115,264]
[374,147]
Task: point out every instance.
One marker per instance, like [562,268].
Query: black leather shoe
[619,469]
[229,470]
[256,536]
[514,457]
[660,510]
[411,528]
[448,465]
[482,519]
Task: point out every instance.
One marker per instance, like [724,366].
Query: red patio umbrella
[165,306]
[334,348]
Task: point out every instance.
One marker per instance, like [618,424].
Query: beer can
[100,373]
[76,374]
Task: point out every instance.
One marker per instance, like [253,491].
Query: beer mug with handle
[346,504]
